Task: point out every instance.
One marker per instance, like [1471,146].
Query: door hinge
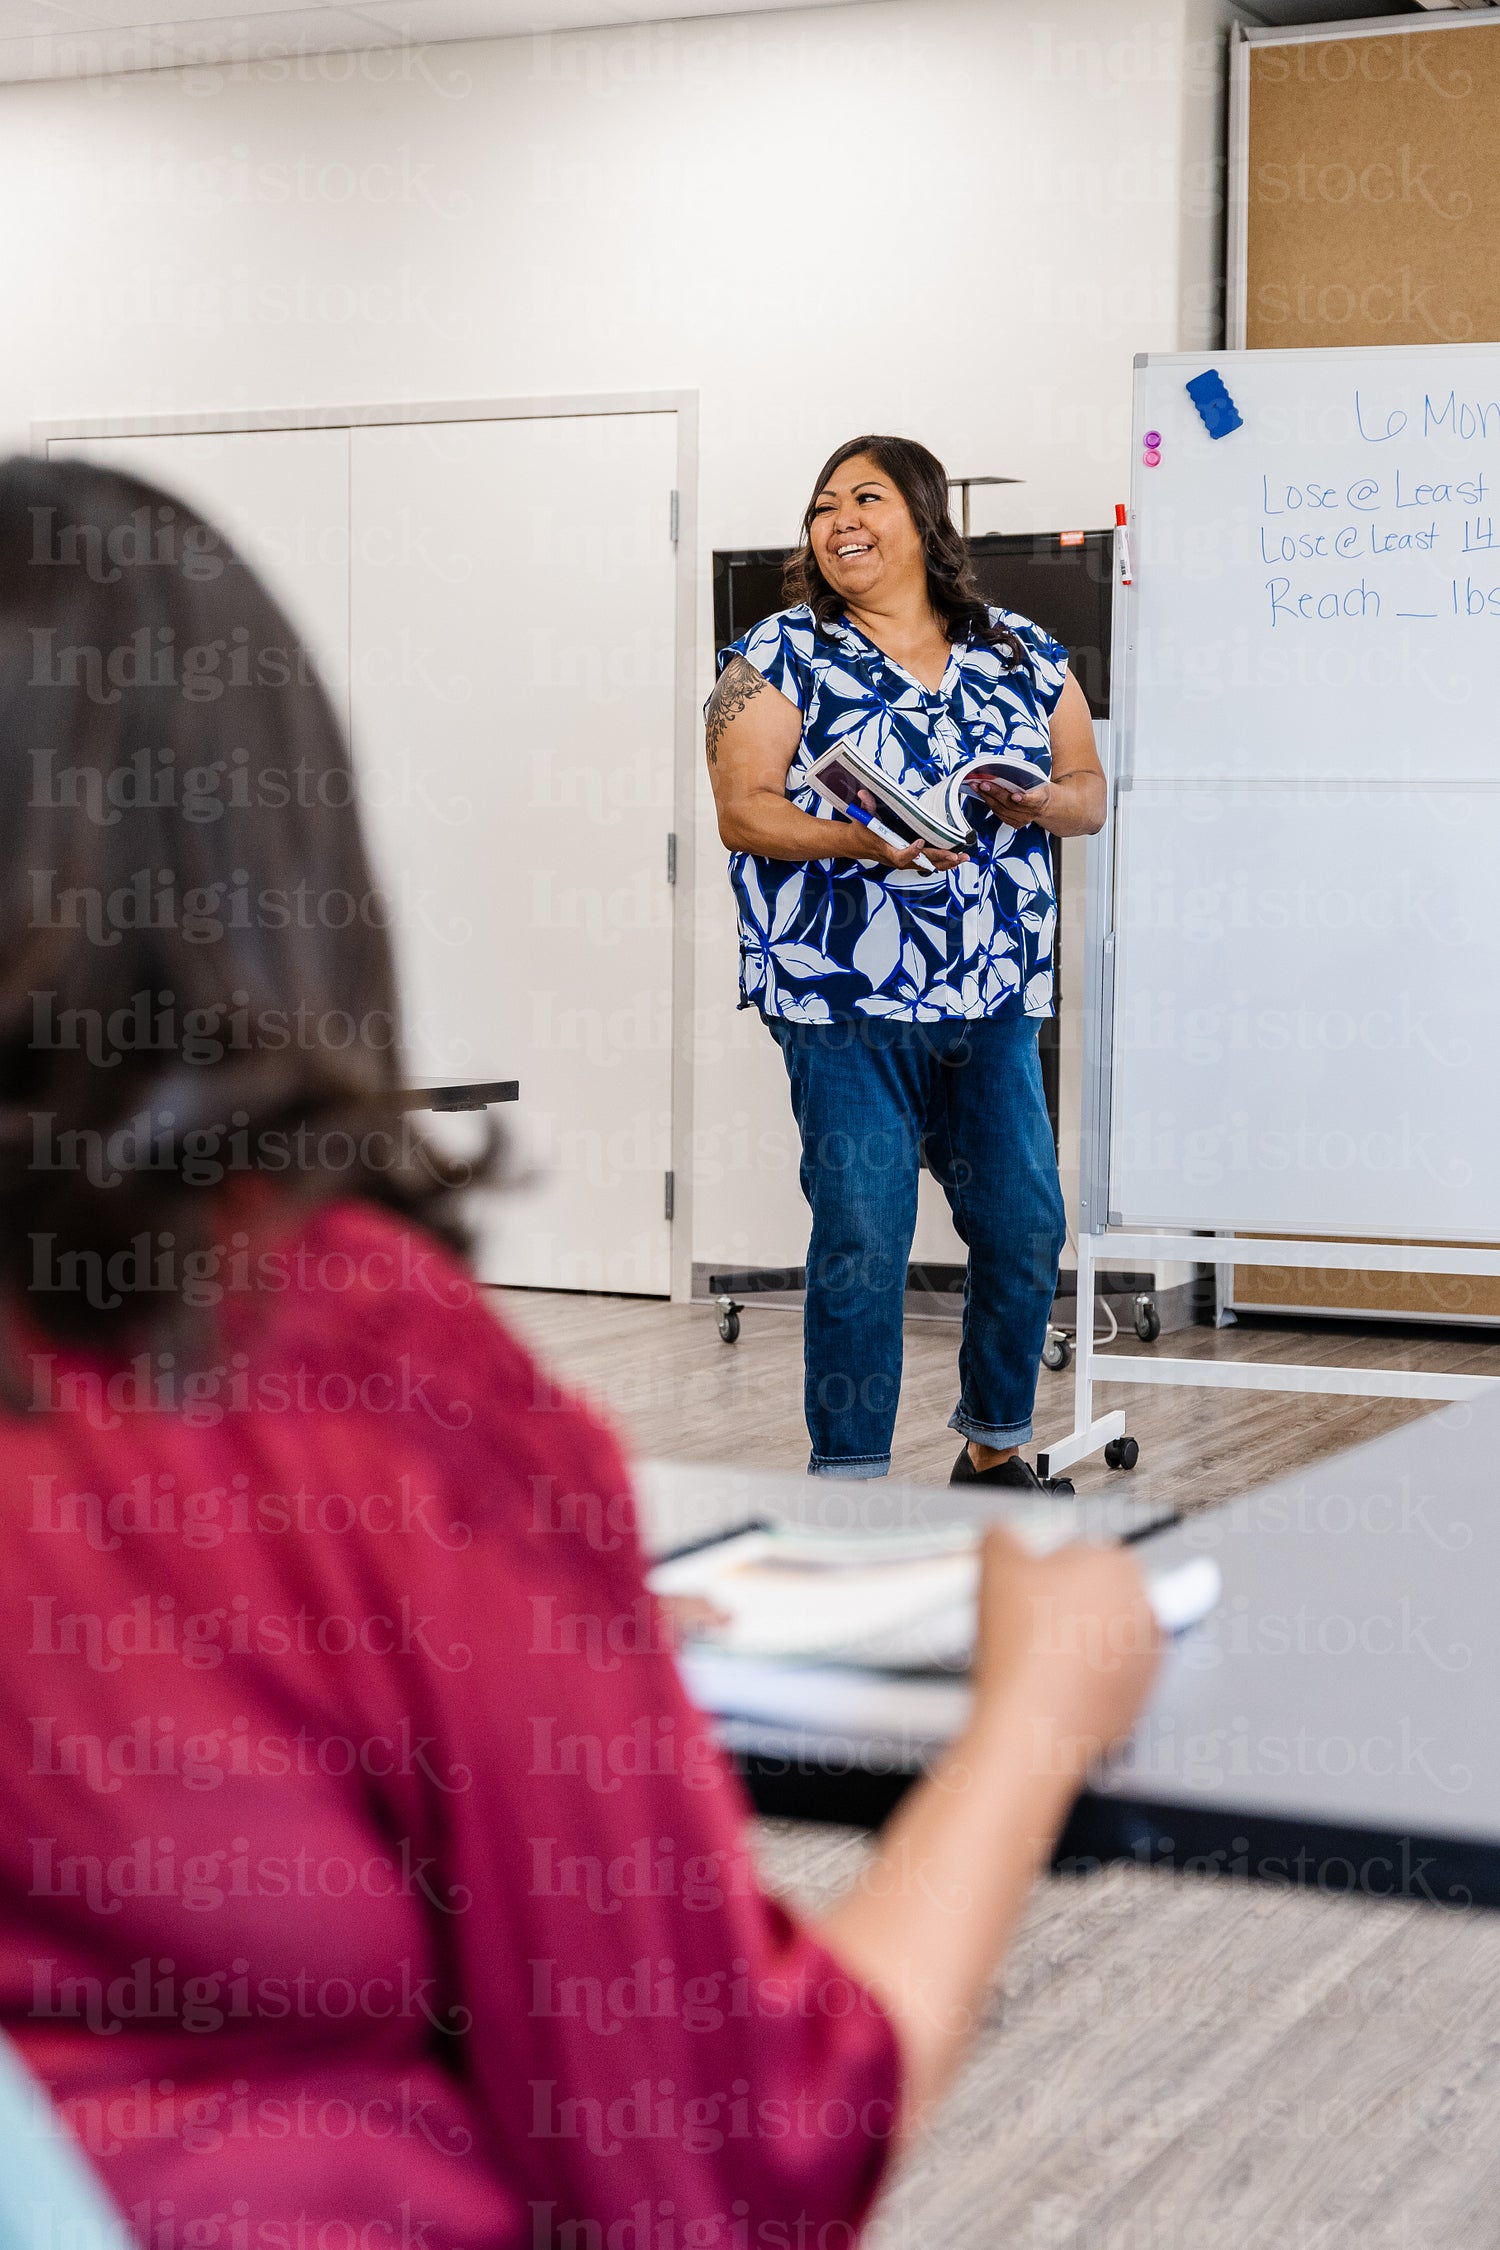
[676,517]
[669,1199]
[671,859]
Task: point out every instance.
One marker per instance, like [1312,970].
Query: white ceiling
[80,38]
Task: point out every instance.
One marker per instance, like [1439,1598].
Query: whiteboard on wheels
[1305,1028]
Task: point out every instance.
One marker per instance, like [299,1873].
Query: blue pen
[867,820]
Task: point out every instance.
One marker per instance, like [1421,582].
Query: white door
[512,602]
[283,498]
[509,616]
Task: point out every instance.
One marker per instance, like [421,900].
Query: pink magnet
[1152,437]
[1151,457]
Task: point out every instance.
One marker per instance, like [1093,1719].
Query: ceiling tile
[238,37]
[494,18]
[488,19]
[82,38]
[159,21]
[79,52]
[508,19]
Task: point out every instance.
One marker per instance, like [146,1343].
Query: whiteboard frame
[1236,235]
[540,407]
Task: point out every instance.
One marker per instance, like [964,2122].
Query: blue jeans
[874,1099]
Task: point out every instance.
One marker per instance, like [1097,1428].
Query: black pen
[714,1539]
[1145,1530]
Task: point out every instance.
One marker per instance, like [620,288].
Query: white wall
[954,218]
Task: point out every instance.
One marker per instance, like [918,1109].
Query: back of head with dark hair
[196,985]
[922,481]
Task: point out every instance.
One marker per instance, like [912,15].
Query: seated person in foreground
[337,1910]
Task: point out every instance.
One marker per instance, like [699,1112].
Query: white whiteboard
[1236,672]
[1305,1025]
[1305,1031]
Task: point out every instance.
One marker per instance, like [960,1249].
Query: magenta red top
[366,1881]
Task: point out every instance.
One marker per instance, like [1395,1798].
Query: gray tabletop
[682,1502]
[1341,1705]
[1334,1722]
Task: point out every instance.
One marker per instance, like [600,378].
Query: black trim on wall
[927,1277]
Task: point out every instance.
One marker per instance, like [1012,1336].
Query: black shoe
[1019,1475]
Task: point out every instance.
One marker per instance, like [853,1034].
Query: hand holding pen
[928,859]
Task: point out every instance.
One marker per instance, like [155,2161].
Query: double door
[492,605]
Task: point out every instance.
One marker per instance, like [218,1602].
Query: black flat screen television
[1064,580]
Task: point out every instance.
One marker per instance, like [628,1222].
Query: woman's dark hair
[922,481]
[196,983]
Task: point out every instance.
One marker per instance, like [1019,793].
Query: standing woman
[905,1003]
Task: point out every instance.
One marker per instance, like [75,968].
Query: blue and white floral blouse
[825,940]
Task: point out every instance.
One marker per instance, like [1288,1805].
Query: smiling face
[863,537]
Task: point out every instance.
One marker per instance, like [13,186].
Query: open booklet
[904,816]
[894,1602]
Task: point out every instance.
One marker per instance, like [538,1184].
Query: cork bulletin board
[1366,192]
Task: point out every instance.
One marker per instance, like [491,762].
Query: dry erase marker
[1122,543]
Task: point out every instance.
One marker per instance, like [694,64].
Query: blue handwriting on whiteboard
[1307,546]
[1463,418]
[1297,609]
[1364,494]
[1395,423]
[1469,490]
[1403,541]
[1294,497]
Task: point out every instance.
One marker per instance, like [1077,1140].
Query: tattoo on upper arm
[739,683]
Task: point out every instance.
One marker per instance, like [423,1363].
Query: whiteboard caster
[729,1319]
[1147,1319]
[1057,1352]
[1122,1453]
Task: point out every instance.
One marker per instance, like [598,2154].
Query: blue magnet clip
[1216,408]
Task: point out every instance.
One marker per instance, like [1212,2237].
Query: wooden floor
[1174,2063]
[662,1375]
[1170,2063]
